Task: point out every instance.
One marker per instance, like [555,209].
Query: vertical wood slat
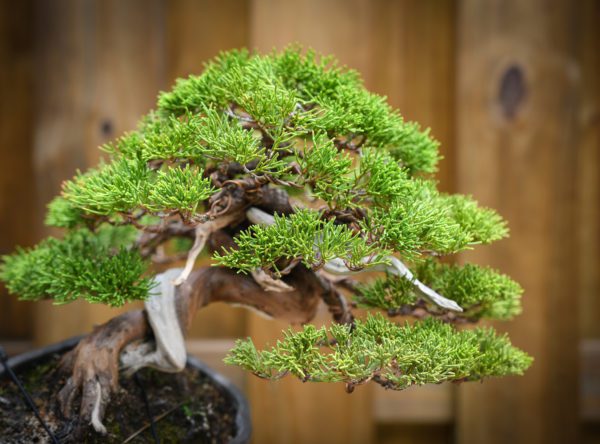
[516,136]
[289,411]
[412,63]
[98,69]
[16,175]
[196,31]
[379,39]
[588,184]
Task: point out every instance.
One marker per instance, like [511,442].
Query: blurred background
[510,87]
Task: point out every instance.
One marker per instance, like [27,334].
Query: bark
[93,366]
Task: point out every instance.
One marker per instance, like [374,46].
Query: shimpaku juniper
[297,179]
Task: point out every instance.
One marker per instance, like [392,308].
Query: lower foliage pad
[378,349]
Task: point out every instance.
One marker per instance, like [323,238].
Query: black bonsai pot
[197,405]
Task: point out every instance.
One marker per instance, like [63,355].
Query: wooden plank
[99,69]
[289,411]
[588,183]
[196,31]
[412,62]
[429,404]
[16,172]
[59,122]
[517,103]
[403,50]
[127,60]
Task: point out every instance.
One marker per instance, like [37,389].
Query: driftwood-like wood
[93,366]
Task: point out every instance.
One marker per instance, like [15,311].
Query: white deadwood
[395,266]
[203,231]
[167,352]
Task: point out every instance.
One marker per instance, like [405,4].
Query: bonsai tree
[298,180]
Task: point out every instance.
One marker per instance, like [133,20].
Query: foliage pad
[397,357]
[93,266]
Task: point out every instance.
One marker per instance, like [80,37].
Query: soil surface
[187,407]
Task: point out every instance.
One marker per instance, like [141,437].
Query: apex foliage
[361,184]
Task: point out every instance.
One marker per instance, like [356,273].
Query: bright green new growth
[361,176]
[94,266]
[427,352]
[302,235]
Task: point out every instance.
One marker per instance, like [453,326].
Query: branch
[203,231]
[396,267]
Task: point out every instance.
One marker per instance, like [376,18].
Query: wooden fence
[510,87]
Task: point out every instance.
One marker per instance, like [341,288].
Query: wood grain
[196,31]
[413,63]
[16,172]
[588,175]
[379,39]
[289,411]
[516,104]
[99,67]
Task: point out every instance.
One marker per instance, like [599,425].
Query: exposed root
[98,411]
[93,366]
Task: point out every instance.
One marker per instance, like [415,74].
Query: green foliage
[182,189]
[480,291]
[289,116]
[61,213]
[302,235]
[327,171]
[126,186]
[169,138]
[397,357]
[227,141]
[301,122]
[292,94]
[410,216]
[94,266]
[120,186]
[479,225]
[312,75]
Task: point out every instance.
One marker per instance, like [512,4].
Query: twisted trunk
[92,368]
